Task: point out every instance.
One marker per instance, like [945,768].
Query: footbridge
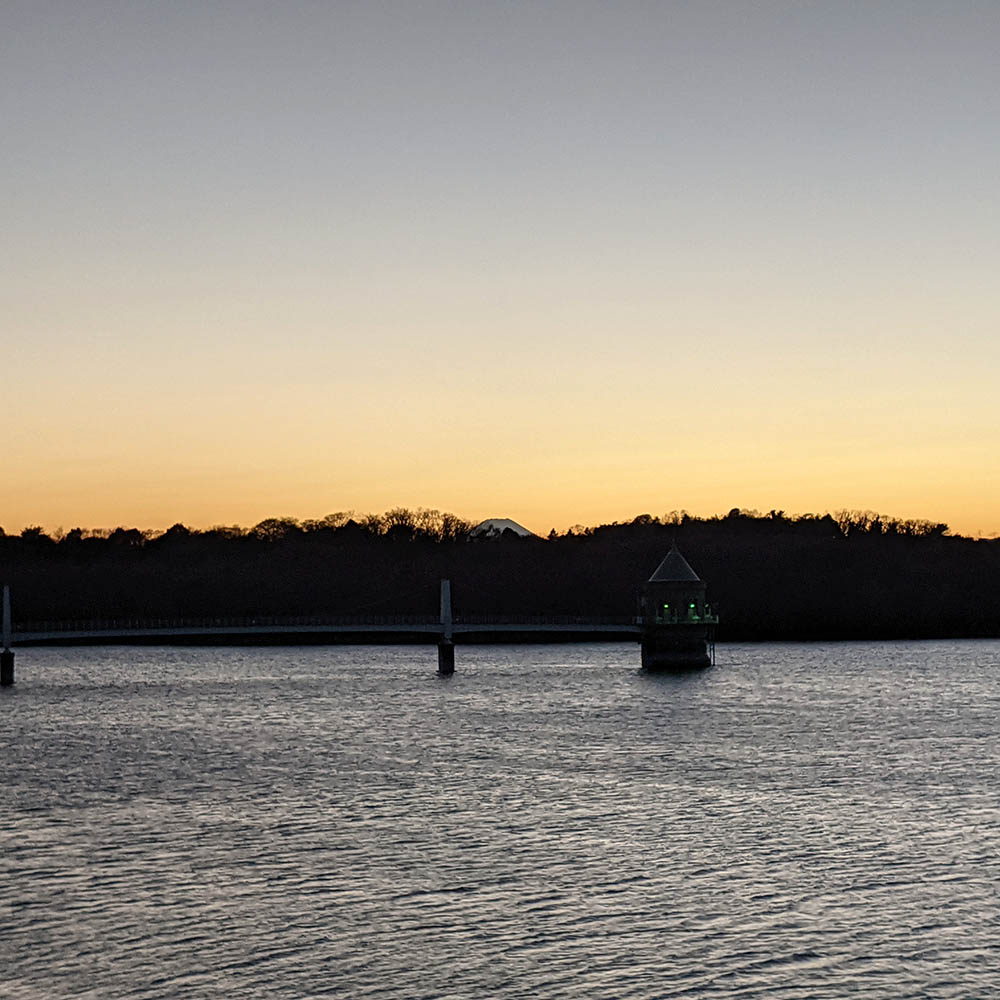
[330,628]
[444,630]
[676,627]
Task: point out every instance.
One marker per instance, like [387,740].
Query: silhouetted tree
[856,573]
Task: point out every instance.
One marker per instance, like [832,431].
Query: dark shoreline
[508,639]
[770,577]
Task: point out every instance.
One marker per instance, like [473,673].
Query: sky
[564,262]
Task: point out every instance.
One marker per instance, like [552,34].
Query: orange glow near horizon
[151,499]
[632,426]
[564,263]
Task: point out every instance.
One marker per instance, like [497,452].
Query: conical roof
[674,569]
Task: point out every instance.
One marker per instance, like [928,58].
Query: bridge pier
[7,655]
[446,657]
[446,647]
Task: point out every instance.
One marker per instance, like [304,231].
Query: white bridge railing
[299,622]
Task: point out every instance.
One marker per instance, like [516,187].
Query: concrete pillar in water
[446,648]
[6,656]
[446,657]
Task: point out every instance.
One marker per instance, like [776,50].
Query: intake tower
[678,625]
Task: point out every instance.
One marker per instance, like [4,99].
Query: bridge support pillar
[6,656]
[446,648]
[446,657]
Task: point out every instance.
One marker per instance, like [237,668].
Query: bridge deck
[317,629]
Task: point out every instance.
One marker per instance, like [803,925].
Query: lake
[800,821]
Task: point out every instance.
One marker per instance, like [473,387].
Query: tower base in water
[671,652]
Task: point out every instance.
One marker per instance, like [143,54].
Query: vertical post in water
[6,655]
[446,648]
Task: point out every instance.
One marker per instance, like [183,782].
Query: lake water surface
[800,821]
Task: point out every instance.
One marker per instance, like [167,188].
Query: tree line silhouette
[852,574]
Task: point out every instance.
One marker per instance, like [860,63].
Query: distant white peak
[498,525]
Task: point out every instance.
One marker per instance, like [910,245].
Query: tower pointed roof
[674,569]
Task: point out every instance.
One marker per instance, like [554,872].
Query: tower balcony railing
[706,618]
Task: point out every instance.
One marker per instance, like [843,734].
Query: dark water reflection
[801,821]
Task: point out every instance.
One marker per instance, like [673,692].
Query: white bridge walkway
[344,629]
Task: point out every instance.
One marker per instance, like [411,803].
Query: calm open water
[800,821]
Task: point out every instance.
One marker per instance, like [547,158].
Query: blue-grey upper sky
[559,261]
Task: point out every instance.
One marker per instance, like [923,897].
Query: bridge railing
[589,620]
[261,621]
[130,624]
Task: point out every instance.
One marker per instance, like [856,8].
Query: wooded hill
[772,576]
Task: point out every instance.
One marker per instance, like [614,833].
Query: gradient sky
[564,262]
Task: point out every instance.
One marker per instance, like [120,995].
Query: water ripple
[801,822]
